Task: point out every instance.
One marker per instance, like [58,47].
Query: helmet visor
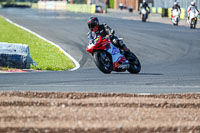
[92,25]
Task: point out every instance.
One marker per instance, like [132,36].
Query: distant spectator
[120,5]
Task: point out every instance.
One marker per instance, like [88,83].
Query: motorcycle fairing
[117,58]
[193,15]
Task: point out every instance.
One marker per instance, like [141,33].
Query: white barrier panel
[60,5]
[41,5]
[52,5]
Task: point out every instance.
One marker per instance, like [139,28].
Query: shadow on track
[140,73]
[151,74]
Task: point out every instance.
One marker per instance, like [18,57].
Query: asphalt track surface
[170,56]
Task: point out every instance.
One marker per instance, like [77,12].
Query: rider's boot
[128,54]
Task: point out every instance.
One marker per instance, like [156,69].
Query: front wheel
[103,61]
[143,18]
[194,23]
[176,23]
[191,26]
[135,65]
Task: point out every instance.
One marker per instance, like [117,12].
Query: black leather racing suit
[103,31]
[145,6]
[177,7]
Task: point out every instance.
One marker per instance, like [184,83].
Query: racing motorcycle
[109,58]
[144,14]
[192,21]
[175,16]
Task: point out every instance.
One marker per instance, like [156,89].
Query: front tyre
[191,26]
[135,66]
[194,23]
[177,23]
[143,18]
[103,61]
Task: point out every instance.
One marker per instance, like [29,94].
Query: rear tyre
[135,65]
[103,61]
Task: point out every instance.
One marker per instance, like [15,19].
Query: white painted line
[77,65]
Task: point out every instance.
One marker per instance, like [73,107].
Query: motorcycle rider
[191,7]
[105,31]
[145,6]
[176,6]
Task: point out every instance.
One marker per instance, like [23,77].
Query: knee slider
[115,40]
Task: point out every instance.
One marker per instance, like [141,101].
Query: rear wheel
[103,61]
[135,65]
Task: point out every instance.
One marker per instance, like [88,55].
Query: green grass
[47,56]
[3,68]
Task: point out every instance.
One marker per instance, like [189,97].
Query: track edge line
[77,65]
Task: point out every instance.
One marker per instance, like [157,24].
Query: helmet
[93,23]
[192,3]
[175,3]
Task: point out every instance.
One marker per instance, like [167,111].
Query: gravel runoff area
[59,112]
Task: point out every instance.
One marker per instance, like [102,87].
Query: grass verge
[47,56]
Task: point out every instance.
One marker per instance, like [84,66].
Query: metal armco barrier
[169,3]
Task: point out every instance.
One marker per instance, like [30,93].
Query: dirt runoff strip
[57,112]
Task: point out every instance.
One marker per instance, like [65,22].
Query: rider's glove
[107,37]
[115,40]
